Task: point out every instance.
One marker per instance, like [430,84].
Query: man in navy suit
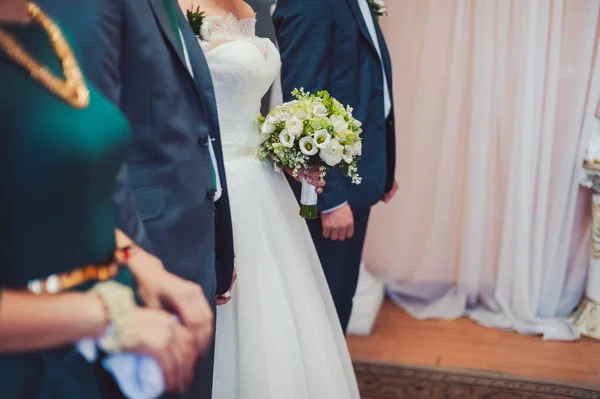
[172,194]
[337,45]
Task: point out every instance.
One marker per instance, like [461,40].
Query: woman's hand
[160,289]
[156,333]
[313,175]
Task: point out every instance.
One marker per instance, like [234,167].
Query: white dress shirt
[211,150]
[366,11]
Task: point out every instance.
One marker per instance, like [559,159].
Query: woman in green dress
[61,257]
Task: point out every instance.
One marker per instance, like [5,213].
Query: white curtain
[493,99]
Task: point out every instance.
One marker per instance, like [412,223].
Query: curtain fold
[493,100]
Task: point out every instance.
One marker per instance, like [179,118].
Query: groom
[172,195]
[337,45]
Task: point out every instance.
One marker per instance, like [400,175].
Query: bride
[279,336]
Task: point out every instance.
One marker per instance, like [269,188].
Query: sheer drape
[493,99]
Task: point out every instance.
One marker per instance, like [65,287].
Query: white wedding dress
[279,337]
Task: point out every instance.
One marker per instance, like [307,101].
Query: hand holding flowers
[312,131]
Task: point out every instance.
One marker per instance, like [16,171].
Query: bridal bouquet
[311,131]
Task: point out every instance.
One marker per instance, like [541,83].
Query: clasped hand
[176,346]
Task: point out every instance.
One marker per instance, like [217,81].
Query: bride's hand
[157,334]
[313,175]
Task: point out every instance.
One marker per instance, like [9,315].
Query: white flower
[348,154]
[307,146]
[358,148]
[333,154]
[286,138]
[320,110]
[271,119]
[206,31]
[339,123]
[267,128]
[322,138]
[301,115]
[294,126]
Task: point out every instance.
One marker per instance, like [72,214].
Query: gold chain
[72,89]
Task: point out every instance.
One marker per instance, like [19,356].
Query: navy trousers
[341,262]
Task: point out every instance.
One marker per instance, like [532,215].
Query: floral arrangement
[378,7]
[311,131]
[200,28]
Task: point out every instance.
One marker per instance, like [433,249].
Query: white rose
[348,154]
[302,115]
[294,126]
[339,123]
[205,31]
[358,148]
[322,138]
[271,119]
[333,154]
[286,138]
[267,128]
[320,110]
[307,146]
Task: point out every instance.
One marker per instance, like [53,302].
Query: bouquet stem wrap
[308,201]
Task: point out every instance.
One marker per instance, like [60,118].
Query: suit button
[379,91]
[210,194]
[203,141]
[382,125]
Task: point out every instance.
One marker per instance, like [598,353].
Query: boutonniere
[200,27]
[378,7]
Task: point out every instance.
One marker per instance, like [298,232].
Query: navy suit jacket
[325,45]
[164,198]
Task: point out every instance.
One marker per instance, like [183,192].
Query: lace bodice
[243,67]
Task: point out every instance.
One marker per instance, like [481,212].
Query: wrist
[96,313]
[119,307]
[122,241]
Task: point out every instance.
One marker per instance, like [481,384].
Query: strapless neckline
[243,67]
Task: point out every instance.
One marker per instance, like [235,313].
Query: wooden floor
[399,338]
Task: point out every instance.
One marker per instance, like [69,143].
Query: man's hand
[338,225]
[226,297]
[387,197]
[312,175]
[160,289]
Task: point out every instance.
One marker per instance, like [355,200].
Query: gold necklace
[72,89]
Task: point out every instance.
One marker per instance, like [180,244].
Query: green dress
[57,174]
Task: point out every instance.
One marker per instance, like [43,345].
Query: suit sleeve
[304,30]
[105,73]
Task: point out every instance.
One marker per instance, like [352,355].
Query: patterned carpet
[384,381]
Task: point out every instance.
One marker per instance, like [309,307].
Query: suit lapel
[205,88]
[385,56]
[166,27]
[360,20]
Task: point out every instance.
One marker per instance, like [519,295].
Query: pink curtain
[493,100]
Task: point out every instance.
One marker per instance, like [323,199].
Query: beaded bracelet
[119,301]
